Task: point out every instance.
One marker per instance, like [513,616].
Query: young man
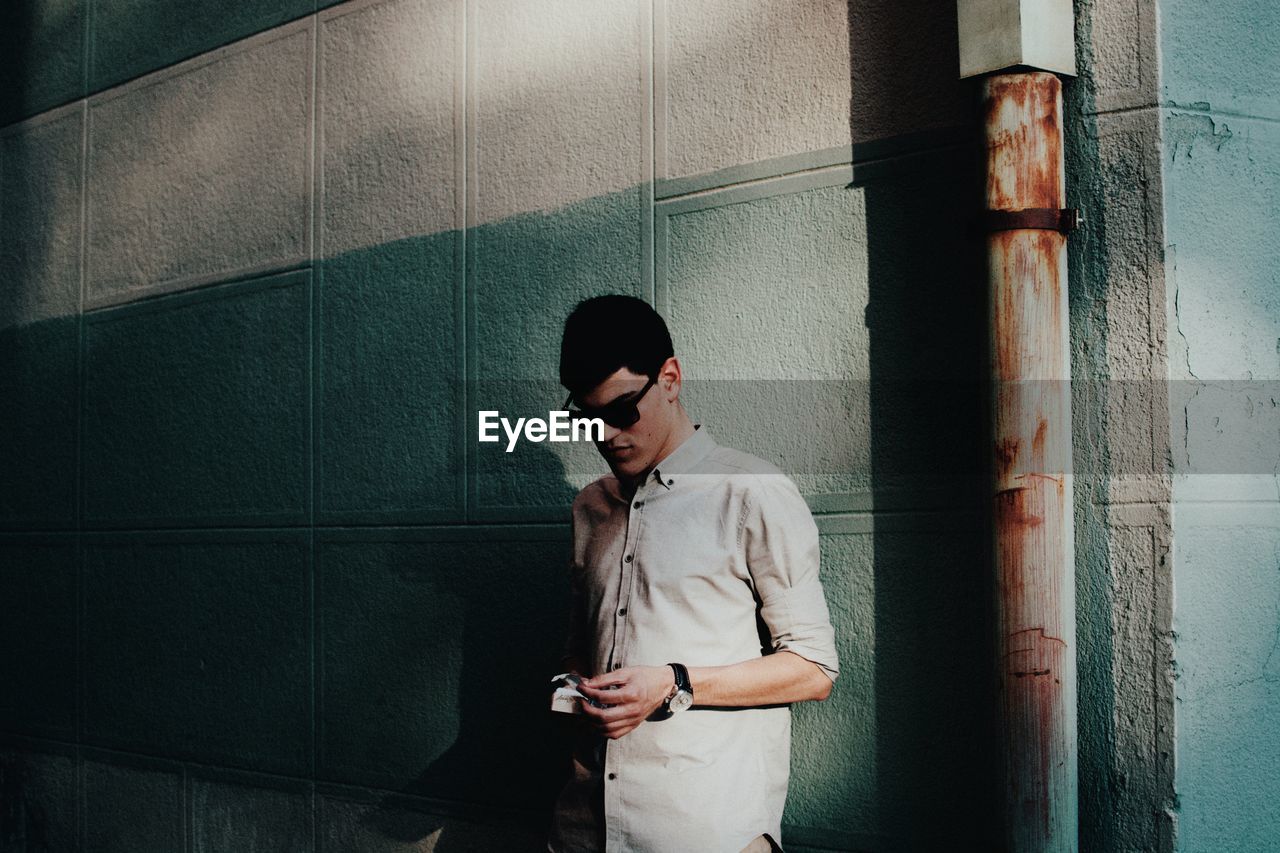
[697,613]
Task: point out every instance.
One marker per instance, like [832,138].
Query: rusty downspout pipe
[1032,489]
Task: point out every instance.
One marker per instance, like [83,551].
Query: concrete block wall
[1124,589]
[262,266]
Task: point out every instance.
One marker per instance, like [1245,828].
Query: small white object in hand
[566,698]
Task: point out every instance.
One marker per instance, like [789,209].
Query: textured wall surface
[1223,57]
[188,133]
[260,264]
[1221,164]
[389,319]
[1227,571]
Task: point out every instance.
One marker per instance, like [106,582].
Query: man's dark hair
[606,333]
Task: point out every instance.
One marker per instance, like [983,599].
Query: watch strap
[682,680]
[664,712]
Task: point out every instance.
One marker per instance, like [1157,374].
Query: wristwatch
[681,696]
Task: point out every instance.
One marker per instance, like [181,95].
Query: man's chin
[625,469]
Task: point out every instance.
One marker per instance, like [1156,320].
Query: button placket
[612,805]
[631,544]
[615,815]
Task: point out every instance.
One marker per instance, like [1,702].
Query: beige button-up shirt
[713,561]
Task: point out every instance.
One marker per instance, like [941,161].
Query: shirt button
[622,612]
[613,775]
[617,666]
[629,556]
[638,504]
[671,482]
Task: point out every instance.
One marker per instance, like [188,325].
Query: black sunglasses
[620,413]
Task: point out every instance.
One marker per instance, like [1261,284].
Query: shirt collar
[691,451]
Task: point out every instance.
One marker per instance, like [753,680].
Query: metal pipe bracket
[1063,220]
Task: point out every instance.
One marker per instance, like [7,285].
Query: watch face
[683,700]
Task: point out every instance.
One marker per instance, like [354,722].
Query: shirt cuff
[807,632]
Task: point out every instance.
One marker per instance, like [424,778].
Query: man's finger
[618,676]
[592,712]
[608,697]
[604,714]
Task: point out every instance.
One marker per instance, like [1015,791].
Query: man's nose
[609,433]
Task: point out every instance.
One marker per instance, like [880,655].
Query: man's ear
[669,378]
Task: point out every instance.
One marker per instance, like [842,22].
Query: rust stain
[1027,288]
[1042,634]
[1037,445]
[1048,246]
[1005,322]
[1001,88]
[1006,456]
[1014,514]
[1022,116]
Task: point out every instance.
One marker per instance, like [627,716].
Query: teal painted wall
[257,579]
[1221,165]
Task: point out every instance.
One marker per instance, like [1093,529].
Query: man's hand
[633,693]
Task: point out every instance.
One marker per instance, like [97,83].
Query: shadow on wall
[42,46]
[37,320]
[509,750]
[934,647]
[37,382]
[16,24]
[935,736]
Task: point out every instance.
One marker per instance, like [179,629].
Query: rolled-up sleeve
[780,541]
